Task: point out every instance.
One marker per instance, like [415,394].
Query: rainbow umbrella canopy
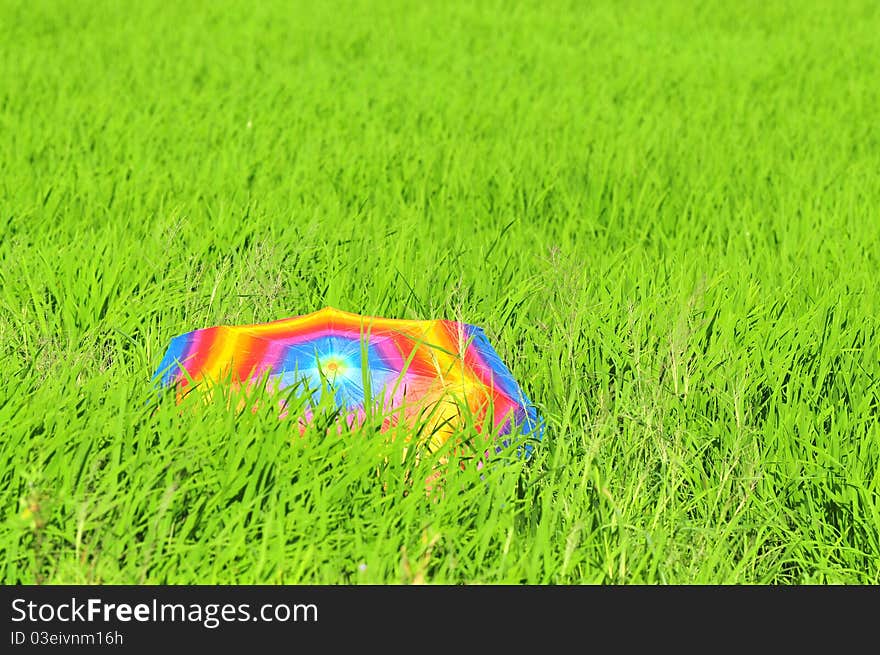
[434,373]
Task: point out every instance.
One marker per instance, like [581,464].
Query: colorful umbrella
[434,373]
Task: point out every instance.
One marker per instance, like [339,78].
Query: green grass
[665,215]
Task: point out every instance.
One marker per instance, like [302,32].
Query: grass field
[665,215]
